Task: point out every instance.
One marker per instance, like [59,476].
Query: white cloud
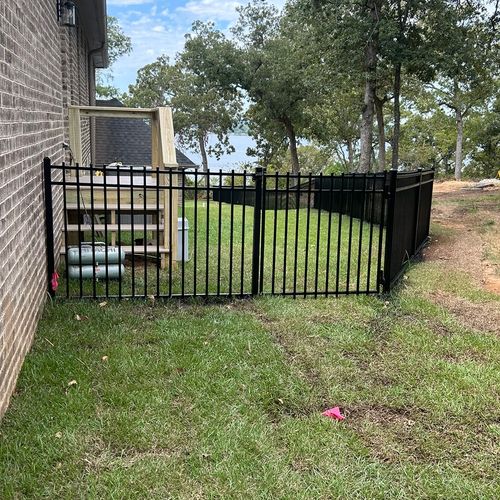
[149,41]
[156,30]
[141,20]
[221,10]
[128,2]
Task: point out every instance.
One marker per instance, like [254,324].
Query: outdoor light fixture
[66,13]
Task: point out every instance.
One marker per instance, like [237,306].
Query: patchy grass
[225,400]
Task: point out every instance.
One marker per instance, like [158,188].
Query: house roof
[92,15]
[127,140]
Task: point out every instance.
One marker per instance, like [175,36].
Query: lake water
[231,161]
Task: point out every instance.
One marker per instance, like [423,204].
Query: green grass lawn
[225,400]
[225,271]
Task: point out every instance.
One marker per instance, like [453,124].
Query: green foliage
[334,123]
[427,136]
[118,45]
[465,82]
[450,46]
[200,108]
[302,74]
[268,60]
[312,159]
[485,137]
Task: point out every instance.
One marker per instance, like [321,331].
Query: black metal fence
[408,219]
[140,232]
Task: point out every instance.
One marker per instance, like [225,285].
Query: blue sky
[158,27]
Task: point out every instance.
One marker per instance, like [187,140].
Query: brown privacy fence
[237,233]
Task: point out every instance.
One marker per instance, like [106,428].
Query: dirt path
[474,242]
[467,238]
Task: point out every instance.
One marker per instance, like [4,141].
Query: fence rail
[113,232]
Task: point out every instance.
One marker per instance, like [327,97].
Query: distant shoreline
[233,161]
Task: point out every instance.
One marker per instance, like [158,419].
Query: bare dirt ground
[468,240]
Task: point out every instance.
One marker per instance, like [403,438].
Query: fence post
[428,221]
[417,211]
[49,224]
[263,230]
[389,230]
[257,216]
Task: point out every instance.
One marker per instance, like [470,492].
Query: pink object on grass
[333,413]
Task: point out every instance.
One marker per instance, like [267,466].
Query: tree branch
[447,104]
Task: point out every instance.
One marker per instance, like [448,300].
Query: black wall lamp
[66,13]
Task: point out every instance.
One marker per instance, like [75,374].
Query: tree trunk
[366,136]
[460,138]
[379,108]
[203,153]
[397,117]
[350,152]
[292,140]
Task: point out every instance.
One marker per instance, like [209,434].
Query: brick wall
[43,67]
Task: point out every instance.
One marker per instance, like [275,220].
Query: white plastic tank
[182,236]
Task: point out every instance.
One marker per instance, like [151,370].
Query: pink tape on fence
[54,282]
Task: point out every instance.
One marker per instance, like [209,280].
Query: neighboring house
[45,65]
[126,140]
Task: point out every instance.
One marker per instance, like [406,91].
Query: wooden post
[166,130]
[75,135]
[156,160]
[166,153]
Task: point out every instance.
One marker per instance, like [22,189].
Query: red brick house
[49,50]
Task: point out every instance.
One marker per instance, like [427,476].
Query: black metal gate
[113,231]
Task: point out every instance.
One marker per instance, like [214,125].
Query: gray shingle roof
[127,140]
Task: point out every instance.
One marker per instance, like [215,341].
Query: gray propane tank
[114,255]
[87,272]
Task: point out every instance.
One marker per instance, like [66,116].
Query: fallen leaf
[72,382]
[103,304]
[58,435]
